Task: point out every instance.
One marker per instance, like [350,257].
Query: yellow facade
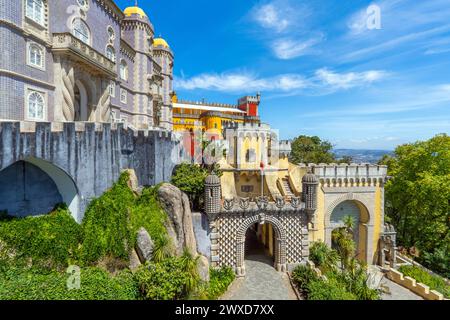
[203,116]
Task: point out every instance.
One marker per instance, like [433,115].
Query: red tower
[250,105]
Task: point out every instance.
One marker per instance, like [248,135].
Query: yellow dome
[160,42]
[134,10]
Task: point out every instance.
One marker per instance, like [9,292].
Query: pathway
[262,282]
[397,292]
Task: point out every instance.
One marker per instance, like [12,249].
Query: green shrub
[303,276]
[331,289]
[323,256]
[438,261]
[105,225]
[49,241]
[434,282]
[39,284]
[219,282]
[167,280]
[148,213]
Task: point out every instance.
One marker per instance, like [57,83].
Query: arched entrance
[82,112]
[269,234]
[360,216]
[34,186]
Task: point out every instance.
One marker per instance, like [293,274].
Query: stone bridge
[42,164]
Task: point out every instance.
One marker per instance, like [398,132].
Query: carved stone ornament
[262,202]
[228,204]
[279,202]
[244,203]
[295,202]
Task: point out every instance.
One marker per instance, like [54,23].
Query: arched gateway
[279,248]
[231,218]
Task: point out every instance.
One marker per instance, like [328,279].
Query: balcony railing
[67,43]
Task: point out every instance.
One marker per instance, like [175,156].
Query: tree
[346,159]
[307,149]
[343,240]
[417,197]
[190,178]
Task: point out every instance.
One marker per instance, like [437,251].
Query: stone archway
[364,225]
[280,242]
[42,185]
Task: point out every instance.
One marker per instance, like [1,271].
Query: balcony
[67,44]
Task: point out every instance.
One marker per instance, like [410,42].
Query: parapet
[33,127]
[349,173]
[247,126]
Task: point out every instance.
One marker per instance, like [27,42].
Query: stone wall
[85,159]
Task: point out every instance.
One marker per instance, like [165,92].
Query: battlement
[33,127]
[284,147]
[250,99]
[355,172]
[207,104]
[247,126]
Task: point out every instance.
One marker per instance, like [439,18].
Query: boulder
[144,246]
[203,268]
[133,182]
[179,225]
[135,262]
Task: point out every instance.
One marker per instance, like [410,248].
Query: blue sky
[320,69]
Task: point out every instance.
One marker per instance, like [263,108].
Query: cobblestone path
[262,282]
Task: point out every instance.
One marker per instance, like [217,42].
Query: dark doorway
[260,243]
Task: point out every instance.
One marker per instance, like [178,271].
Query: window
[35,10]
[35,56]
[36,105]
[111,33]
[81,30]
[123,70]
[112,89]
[111,53]
[123,95]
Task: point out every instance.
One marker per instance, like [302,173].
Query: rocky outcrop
[144,246]
[133,182]
[203,268]
[179,226]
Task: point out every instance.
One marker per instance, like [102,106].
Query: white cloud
[289,48]
[323,80]
[348,80]
[270,16]
[243,82]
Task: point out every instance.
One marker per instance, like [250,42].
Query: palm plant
[161,250]
[189,263]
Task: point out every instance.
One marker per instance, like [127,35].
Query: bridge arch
[54,186]
[280,242]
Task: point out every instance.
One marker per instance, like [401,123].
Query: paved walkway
[397,292]
[262,282]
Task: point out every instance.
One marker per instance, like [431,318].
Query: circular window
[111,33]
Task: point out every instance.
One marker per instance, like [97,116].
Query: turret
[212,195]
[309,185]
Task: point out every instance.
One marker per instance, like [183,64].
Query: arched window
[35,55]
[36,104]
[111,53]
[81,30]
[123,70]
[35,10]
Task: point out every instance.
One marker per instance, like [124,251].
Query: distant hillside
[362,156]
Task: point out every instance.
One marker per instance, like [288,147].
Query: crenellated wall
[85,159]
